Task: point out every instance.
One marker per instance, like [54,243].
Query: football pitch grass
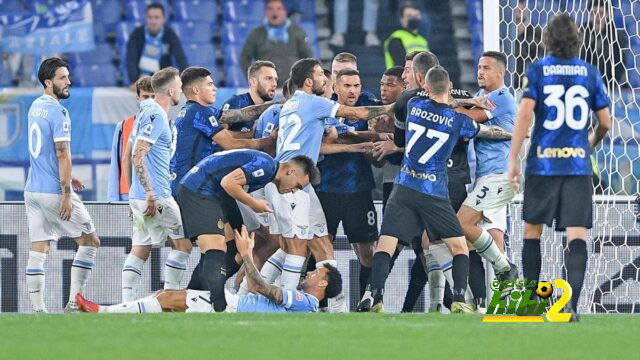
[311,336]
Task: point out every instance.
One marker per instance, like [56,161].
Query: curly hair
[561,37]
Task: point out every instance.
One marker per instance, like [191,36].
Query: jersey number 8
[574,96]
[418,130]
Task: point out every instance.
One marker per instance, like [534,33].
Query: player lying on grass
[323,282]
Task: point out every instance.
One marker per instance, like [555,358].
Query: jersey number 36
[565,110]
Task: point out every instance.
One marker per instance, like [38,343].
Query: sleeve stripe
[61,139]
[289,299]
[145,139]
[334,111]
[488,113]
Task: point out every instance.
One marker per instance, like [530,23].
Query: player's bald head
[437,80]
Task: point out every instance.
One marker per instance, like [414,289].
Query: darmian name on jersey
[563,152]
[418,175]
[429,116]
[569,70]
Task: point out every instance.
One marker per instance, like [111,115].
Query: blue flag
[65,28]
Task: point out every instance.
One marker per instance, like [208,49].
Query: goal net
[611,43]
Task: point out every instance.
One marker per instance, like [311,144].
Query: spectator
[118,185]
[602,44]
[277,40]
[154,46]
[528,46]
[369,20]
[406,39]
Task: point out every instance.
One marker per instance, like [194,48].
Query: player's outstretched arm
[604,124]
[248,113]
[523,121]
[64,165]
[227,141]
[493,132]
[233,183]
[141,150]
[245,243]
[363,112]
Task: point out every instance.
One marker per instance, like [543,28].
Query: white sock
[174,269]
[131,274]
[436,280]
[271,269]
[442,255]
[80,270]
[291,271]
[149,304]
[487,248]
[337,304]
[35,280]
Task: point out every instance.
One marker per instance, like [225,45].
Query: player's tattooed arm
[257,283]
[364,112]
[139,153]
[493,132]
[64,164]
[248,113]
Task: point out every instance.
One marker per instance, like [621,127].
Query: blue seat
[102,54]
[236,32]
[108,12]
[307,8]
[199,54]
[312,34]
[11,6]
[124,29]
[195,10]
[235,77]
[243,10]
[99,32]
[95,75]
[193,31]
[135,9]
[231,55]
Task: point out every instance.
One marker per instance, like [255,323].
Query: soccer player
[299,216]
[325,282]
[420,200]
[120,167]
[208,193]
[156,215]
[347,181]
[343,61]
[263,81]
[560,89]
[53,208]
[486,205]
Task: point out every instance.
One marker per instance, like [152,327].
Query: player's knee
[183,245]
[89,240]
[296,246]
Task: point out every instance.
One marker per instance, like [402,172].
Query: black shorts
[357,213]
[567,199]
[200,215]
[409,212]
[457,194]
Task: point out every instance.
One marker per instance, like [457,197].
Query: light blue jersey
[302,126]
[492,155]
[152,125]
[292,301]
[49,122]
[268,122]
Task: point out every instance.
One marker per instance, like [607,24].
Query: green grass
[311,336]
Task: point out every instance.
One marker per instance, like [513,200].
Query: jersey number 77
[418,131]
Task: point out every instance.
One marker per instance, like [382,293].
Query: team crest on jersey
[220,224]
[258,173]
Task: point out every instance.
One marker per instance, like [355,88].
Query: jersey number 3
[418,130]
[565,110]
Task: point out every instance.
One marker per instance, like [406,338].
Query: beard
[264,94]
[59,93]
[318,90]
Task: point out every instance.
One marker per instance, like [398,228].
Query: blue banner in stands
[65,28]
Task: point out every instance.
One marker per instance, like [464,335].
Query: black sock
[230,264]
[365,272]
[531,260]
[379,274]
[477,281]
[417,281]
[460,276]
[196,280]
[448,296]
[576,262]
[214,278]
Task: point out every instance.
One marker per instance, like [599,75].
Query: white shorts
[199,301]
[250,218]
[155,230]
[490,196]
[43,217]
[297,214]
[494,219]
